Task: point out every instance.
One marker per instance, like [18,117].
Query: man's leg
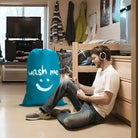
[65,88]
[87,115]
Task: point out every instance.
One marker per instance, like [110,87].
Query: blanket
[65,60]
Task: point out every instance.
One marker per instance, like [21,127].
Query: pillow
[42,77]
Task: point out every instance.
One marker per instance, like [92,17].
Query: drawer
[123,109]
[125,90]
[123,67]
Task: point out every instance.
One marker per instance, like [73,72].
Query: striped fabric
[56,30]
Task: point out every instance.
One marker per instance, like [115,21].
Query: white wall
[112,31]
[63,8]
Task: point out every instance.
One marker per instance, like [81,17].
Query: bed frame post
[75,60]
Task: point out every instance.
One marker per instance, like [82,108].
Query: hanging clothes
[56,30]
[70,29]
[81,24]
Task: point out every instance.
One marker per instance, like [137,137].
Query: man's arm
[88,90]
[105,99]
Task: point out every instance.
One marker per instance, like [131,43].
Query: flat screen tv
[23,27]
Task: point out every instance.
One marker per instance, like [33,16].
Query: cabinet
[17,52]
[122,108]
[19,49]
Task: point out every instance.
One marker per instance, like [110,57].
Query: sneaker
[38,115]
[55,112]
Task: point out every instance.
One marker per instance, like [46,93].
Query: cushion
[42,77]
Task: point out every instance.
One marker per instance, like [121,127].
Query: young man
[93,103]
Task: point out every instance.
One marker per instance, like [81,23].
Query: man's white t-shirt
[107,80]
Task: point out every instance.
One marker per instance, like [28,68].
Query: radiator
[14,73]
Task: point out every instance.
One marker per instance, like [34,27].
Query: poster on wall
[91,28]
[104,13]
[116,11]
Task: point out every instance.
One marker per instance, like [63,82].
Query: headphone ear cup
[102,55]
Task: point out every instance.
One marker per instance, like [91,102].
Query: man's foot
[55,112]
[39,115]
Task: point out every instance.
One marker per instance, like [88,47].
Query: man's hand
[75,81]
[81,95]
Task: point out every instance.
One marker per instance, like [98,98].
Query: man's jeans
[85,115]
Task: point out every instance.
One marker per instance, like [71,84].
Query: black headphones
[102,54]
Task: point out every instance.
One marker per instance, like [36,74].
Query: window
[18,11]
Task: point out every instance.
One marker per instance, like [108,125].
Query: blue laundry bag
[42,77]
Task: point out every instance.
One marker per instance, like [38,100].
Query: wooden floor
[14,125]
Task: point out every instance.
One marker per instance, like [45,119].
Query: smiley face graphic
[43,89]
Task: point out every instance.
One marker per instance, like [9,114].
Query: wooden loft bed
[77,46]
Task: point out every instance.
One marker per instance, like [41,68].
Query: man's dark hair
[102,48]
